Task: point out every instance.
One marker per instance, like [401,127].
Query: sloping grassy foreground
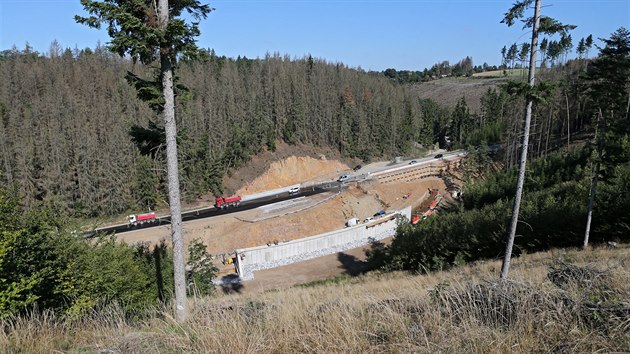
[557,301]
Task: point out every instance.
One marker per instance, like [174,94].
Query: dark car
[439,156]
[379,213]
[357,167]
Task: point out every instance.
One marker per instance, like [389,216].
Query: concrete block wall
[418,171]
[265,257]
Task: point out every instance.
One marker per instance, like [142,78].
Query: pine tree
[608,79]
[539,24]
[149,32]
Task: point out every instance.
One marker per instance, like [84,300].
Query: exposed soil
[287,165]
[226,233]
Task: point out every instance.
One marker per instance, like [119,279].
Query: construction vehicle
[227,202]
[139,219]
[435,202]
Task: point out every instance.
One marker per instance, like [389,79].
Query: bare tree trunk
[5,157]
[566,97]
[540,136]
[507,257]
[591,200]
[170,127]
[548,132]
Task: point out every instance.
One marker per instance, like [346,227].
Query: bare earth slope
[242,180]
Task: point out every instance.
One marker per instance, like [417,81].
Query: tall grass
[562,301]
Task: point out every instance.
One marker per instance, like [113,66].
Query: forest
[74,133]
[594,164]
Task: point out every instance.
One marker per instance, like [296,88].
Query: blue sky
[372,34]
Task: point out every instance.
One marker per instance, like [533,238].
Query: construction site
[319,236]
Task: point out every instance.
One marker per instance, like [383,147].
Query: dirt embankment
[288,164]
[293,170]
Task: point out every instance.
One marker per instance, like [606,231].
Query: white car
[343,178]
[294,190]
[368,219]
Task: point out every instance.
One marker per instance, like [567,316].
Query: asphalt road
[212,211]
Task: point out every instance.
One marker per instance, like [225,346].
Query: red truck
[139,219]
[227,202]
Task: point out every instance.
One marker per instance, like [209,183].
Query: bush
[45,266]
[201,271]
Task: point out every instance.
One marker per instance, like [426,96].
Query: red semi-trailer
[136,219]
[227,202]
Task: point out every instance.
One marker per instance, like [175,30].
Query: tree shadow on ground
[231,284]
[377,255]
[351,264]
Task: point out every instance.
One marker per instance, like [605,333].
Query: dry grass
[514,73]
[558,301]
[448,91]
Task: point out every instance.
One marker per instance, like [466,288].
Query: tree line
[464,67]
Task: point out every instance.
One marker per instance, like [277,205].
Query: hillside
[286,165]
[448,91]
[557,301]
[74,133]
[76,143]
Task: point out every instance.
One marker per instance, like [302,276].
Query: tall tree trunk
[548,131]
[540,135]
[8,174]
[566,97]
[170,128]
[591,200]
[505,268]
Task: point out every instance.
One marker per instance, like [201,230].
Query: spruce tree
[539,24]
[149,31]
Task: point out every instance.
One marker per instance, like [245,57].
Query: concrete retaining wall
[418,171]
[265,257]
